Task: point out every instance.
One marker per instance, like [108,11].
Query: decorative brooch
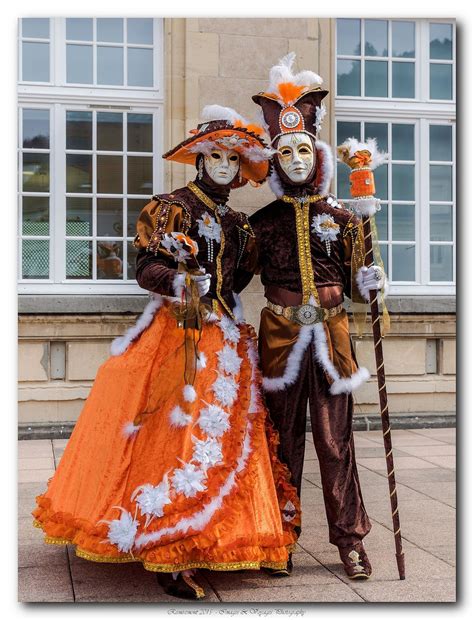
[326,229]
[211,230]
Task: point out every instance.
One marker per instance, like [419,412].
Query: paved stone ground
[425,465]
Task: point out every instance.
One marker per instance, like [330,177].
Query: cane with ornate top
[363,158]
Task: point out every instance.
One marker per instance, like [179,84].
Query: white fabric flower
[179,418]
[225,390]
[189,480]
[209,228]
[122,531]
[207,452]
[229,361]
[152,499]
[325,227]
[213,421]
[229,329]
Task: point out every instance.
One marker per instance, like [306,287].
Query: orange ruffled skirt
[175,476]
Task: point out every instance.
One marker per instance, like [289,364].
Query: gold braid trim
[304,246]
[212,205]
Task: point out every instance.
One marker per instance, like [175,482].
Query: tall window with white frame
[395,81]
[89,149]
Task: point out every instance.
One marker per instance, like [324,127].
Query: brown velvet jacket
[233,255]
[294,263]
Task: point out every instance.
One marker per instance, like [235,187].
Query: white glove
[203,283]
[370,279]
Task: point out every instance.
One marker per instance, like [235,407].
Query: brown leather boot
[355,561]
[183,586]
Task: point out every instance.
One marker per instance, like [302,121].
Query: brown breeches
[331,423]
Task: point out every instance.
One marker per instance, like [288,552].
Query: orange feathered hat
[224,128]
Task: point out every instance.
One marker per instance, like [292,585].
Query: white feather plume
[222,113]
[378,157]
[189,393]
[283,72]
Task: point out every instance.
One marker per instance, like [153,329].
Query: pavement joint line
[422,458]
[209,583]
[70,573]
[349,585]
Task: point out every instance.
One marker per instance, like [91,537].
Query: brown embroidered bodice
[225,240]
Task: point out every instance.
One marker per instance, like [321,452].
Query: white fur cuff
[178,284]
[365,207]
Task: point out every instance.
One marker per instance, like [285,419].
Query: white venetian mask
[222,165]
[296,156]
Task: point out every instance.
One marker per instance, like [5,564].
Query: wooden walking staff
[363,159]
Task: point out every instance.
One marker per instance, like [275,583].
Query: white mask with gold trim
[222,165]
[296,156]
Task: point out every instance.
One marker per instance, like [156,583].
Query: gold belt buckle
[308,314]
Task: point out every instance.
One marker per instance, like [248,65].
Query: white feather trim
[225,390]
[201,361]
[378,157]
[257,153]
[229,329]
[207,452]
[351,383]
[319,117]
[238,309]
[365,207]
[179,418]
[121,344]
[189,480]
[222,113]
[213,421]
[275,184]
[205,147]
[283,72]
[189,393]
[364,291]
[130,429]
[229,360]
[327,165]
[321,351]
[122,531]
[199,520]
[178,284]
[151,499]
[293,363]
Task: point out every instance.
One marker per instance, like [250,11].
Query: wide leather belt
[305,314]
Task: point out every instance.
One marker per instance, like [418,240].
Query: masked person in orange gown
[172,462]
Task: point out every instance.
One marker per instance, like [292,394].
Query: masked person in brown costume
[310,255]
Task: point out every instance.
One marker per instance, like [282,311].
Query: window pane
[35,62]
[131,259]
[78,29]
[381,182]
[109,217]
[441,41]
[441,183]
[110,30]
[35,28]
[441,223]
[109,131]
[348,37]
[403,259]
[110,65]
[441,263]
[140,132]
[79,173]
[109,260]
[109,174]
[78,217]
[403,182]
[36,129]
[348,77]
[376,37]
[140,67]
[79,130]
[343,188]
[403,80]
[35,172]
[403,222]
[35,215]
[347,130]
[78,259]
[384,256]
[403,39]
[441,147]
[381,222]
[134,208]
[79,64]
[140,175]
[379,131]
[441,81]
[35,259]
[403,142]
[140,30]
[376,78]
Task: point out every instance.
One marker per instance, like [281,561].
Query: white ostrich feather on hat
[221,113]
[282,73]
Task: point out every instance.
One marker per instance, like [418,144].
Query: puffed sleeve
[156,269]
